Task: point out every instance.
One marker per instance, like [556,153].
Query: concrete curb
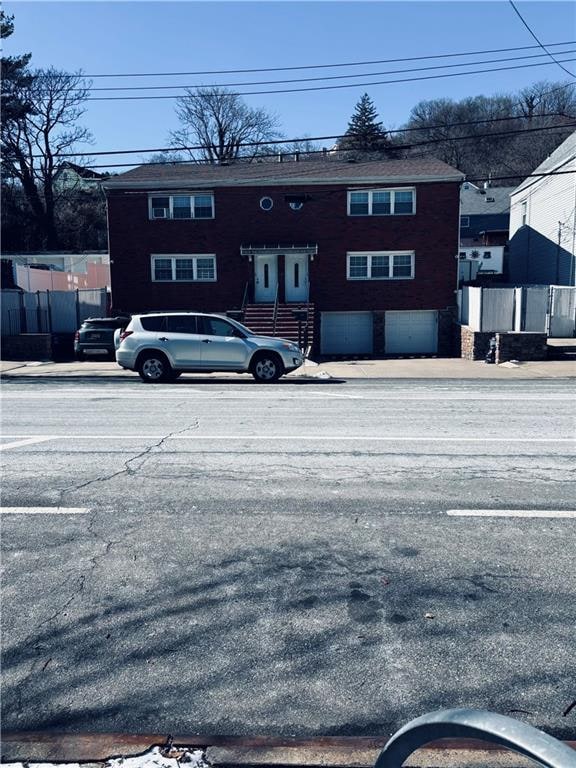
[408,368]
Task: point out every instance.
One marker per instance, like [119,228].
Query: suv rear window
[153,323]
[105,323]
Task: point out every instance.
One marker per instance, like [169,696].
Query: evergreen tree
[364,135]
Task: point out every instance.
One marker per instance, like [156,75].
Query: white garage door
[411,332]
[346,333]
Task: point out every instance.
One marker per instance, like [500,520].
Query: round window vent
[296,206]
[266,203]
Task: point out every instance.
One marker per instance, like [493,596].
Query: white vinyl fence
[547,309]
[50,311]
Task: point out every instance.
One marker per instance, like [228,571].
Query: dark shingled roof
[288,172]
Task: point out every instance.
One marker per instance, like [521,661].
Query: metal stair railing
[476,724]
[275,315]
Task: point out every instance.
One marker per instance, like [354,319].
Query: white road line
[185,393]
[27,441]
[312,438]
[564,513]
[44,510]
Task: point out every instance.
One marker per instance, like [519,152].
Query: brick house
[366,250]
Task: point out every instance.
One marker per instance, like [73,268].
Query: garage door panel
[346,333]
[411,332]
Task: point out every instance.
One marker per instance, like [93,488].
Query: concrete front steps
[260,319]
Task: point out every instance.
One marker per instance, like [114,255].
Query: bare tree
[468,133]
[220,123]
[35,142]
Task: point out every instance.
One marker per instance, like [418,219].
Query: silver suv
[163,345]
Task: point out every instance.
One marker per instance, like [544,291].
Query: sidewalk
[406,368]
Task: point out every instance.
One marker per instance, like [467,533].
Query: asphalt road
[286,559]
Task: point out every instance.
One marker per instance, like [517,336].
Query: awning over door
[262,249]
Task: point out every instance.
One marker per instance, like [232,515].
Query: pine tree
[364,134]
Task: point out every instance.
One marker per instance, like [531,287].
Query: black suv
[96,336]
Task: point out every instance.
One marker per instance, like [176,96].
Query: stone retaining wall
[521,346]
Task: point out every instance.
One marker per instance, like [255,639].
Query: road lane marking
[27,441]
[558,513]
[44,510]
[182,392]
[310,438]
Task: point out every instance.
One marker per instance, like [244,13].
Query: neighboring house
[56,271]
[74,177]
[543,221]
[484,223]
[489,259]
[367,248]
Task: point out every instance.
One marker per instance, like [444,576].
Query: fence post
[23,318]
[39,313]
[49,308]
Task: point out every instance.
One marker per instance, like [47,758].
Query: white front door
[265,277]
[296,277]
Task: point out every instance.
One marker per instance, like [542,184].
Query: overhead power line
[397,147]
[334,137]
[333,87]
[544,48]
[325,66]
[322,78]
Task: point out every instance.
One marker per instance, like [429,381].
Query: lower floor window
[380,265]
[186,268]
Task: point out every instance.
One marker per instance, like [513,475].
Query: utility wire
[443,126]
[393,148]
[523,20]
[323,78]
[324,66]
[330,87]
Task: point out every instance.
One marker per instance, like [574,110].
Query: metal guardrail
[476,724]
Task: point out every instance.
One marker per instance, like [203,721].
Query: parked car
[161,346]
[96,336]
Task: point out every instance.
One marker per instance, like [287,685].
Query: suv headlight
[291,348]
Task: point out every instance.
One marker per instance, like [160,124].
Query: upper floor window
[523,213]
[381,265]
[184,268]
[197,206]
[381,202]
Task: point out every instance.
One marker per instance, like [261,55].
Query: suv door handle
[162,338]
[206,341]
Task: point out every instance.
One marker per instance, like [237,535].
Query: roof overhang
[310,249]
[294,181]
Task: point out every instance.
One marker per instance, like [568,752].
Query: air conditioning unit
[160,213]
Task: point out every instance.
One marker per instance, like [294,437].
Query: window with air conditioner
[194,206]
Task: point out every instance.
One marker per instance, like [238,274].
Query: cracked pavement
[269,560]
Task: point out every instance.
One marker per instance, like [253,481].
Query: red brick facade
[431,232]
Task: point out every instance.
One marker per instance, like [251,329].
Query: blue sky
[132,37]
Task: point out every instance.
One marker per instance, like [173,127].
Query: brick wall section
[27,346]
[432,232]
[474,345]
[521,346]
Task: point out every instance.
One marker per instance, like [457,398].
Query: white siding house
[543,222]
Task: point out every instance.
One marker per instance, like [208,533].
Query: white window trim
[173,257]
[465,219]
[390,254]
[171,197]
[392,191]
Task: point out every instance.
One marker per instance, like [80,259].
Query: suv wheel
[266,368]
[154,368]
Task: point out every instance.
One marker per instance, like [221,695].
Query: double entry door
[295,277]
